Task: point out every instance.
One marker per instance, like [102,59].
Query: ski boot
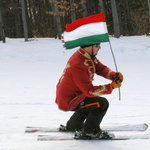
[89,136]
[62,128]
[105,135]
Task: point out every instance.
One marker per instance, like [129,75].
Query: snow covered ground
[29,72]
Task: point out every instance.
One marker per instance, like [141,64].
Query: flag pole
[115,66]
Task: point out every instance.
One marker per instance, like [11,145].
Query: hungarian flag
[85,31]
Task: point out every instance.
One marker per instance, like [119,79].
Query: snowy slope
[29,72]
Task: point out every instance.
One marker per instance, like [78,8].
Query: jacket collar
[84,53]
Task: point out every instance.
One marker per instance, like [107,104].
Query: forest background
[48,18]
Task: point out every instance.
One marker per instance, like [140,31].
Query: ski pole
[115,66]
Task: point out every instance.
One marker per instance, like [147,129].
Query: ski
[114,128]
[51,138]
[64,138]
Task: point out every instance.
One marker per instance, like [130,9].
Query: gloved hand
[117,80]
[115,84]
[118,77]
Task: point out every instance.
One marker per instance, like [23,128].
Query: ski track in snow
[29,72]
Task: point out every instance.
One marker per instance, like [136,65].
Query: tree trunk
[115,19]
[17,23]
[149,9]
[84,10]
[55,25]
[58,22]
[29,20]
[24,21]
[2,34]
[35,18]
[129,24]
[96,7]
[101,5]
[73,14]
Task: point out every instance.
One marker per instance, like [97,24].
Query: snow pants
[88,115]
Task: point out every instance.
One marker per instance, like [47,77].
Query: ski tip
[146,126]
[26,131]
[29,129]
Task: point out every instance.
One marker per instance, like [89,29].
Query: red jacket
[76,81]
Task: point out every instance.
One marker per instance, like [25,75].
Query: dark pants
[88,115]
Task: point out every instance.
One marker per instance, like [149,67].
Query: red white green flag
[85,31]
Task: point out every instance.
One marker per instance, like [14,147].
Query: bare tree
[24,20]
[129,23]
[15,8]
[84,9]
[49,17]
[96,7]
[28,19]
[149,9]
[101,5]
[2,34]
[73,14]
[115,19]
[57,17]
